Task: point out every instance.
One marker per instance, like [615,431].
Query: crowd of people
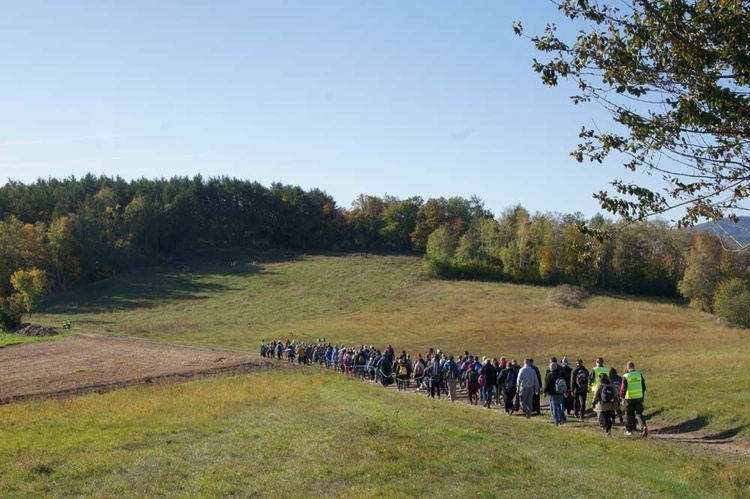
[499,382]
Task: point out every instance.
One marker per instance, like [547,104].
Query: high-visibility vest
[635,385]
[597,371]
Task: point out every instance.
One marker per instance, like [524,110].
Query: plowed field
[87,362]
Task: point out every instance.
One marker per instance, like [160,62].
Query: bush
[11,311]
[732,302]
[568,296]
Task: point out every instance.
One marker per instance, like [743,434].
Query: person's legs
[581,398]
[630,413]
[555,403]
[452,389]
[638,407]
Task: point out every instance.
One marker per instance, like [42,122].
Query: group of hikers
[499,382]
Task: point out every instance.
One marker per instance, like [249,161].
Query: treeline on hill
[78,231]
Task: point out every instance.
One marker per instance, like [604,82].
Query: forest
[57,234]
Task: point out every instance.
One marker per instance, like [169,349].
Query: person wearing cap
[633,390]
[596,372]
[579,387]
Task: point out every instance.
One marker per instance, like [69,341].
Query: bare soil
[92,363]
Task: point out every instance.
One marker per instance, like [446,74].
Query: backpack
[473,376]
[560,386]
[403,370]
[510,380]
[582,379]
[608,394]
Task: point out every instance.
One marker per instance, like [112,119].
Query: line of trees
[78,231]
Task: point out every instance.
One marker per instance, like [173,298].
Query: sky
[401,97]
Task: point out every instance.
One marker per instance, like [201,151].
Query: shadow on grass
[726,434]
[697,424]
[689,426]
[189,279]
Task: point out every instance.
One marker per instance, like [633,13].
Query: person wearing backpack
[579,385]
[451,374]
[616,380]
[419,369]
[472,383]
[402,374]
[606,403]
[435,375]
[633,390]
[555,387]
[507,383]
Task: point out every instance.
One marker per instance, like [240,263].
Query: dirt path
[92,363]
[724,443]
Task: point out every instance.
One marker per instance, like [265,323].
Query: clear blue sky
[407,97]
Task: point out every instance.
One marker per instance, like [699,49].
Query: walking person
[490,381]
[567,372]
[472,383]
[435,375]
[507,382]
[596,372]
[616,381]
[555,387]
[528,386]
[451,374]
[606,403]
[633,390]
[537,405]
[579,385]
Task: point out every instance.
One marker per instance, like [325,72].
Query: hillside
[736,232]
[356,299]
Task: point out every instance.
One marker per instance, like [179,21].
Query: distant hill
[739,231]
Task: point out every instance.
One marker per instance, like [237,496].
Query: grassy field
[315,433]
[695,369]
[318,434]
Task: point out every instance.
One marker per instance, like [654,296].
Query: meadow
[314,432]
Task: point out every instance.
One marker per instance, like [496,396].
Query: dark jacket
[550,380]
[573,385]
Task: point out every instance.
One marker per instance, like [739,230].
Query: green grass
[9,339]
[311,433]
[695,369]
[314,434]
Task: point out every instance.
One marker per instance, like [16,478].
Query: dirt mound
[36,330]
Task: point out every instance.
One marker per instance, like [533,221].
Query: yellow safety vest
[597,372]
[635,385]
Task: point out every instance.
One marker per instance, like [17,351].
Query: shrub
[732,302]
[11,311]
[568,296]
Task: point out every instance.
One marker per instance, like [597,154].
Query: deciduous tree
[31,286]
[675,77]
